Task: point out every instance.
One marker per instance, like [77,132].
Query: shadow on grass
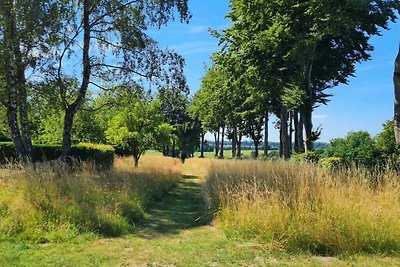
[182,208]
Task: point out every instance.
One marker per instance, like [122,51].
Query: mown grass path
[181,209]
[171,235]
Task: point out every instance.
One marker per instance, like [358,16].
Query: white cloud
[320,117]
[195,47]
[198,29]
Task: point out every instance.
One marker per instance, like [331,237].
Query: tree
[396,80]
[356,148]
[309,44]
[28,34]
[98,29]
[138,127]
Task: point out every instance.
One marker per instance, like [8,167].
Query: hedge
[101,155]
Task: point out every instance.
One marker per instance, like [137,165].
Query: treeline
[54,53]
[281,58]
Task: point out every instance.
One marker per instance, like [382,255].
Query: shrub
[333,163]
[357,148]
[101,155]
[311,156]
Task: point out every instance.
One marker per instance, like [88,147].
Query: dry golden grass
[149,164]
[48,204]
[303,207]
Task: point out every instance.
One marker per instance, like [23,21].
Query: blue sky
[364,104]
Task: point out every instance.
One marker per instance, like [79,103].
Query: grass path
[171,235]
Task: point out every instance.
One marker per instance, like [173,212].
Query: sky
[364,104]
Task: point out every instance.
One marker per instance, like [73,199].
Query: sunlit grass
[301,207]
[56,205]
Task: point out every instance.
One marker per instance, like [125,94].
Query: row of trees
[281,57]
[75,45]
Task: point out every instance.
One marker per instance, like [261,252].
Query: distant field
[227,153]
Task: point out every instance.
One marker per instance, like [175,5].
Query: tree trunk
[396,79]
[202,145]
[173,149]
[239,146]
[67,136]
[256,149]
[285,154]
[296,131]
[136,161]
[71,110]
[266,138]
[300,134]
[290,132]
[14,70]
[217,135]
[307,114]
[234,141]
[221,153]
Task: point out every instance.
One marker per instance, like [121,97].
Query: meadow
[202,213]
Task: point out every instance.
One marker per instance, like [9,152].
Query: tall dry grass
[301,207]
[48,204]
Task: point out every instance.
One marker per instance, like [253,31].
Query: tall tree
[28,34]
[396,79]
[109,40]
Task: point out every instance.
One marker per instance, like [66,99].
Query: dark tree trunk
[202,145]
[285,154]
[173,149]
[307,113]
[67,135]
[396,79]
[266,138]
[71,110]
[256,152]
[221,153]
[296,131]
[234,141]
[290,132]
[136,161]
[216,137]
[300,136]
[239,146]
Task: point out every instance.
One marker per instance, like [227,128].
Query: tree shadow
[182,208]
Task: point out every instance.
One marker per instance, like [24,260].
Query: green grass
[176,232]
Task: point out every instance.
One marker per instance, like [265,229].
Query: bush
[357,148]
[333,163]
[312,157]
[101,155]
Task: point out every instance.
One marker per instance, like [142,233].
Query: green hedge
[101,155]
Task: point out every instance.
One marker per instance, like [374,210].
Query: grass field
[208,155]
[177,230]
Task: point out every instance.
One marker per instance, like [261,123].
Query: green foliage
[311,156]
[101,155]
[138,127]
[356,148]
[386,142]
[332,163]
